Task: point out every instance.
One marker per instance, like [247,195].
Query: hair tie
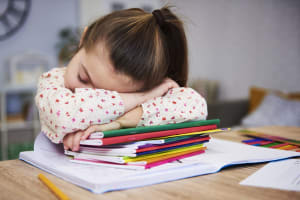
[159,17]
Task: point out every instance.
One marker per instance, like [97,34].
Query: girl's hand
[72,140]
[161,89]
[129,119]
[99,128]
[132,100]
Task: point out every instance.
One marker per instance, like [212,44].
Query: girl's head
[130,50]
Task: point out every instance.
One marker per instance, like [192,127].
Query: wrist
[131,118]
[132,100]
[142,97]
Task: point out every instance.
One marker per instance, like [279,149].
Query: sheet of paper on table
[283,175]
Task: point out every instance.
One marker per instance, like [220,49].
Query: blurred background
[240,52]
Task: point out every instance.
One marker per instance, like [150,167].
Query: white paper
[220,153]
[283,175]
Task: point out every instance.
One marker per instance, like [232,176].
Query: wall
[40,31]
[93,9]
[243,43]
[237,42]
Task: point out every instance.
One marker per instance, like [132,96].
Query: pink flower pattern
[178,105]
[62,112]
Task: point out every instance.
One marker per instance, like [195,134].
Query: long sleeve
[178,105]
[62,111]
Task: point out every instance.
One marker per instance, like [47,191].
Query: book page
[283,175]
[222,153]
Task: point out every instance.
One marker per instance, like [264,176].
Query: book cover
[143,136]
[146,129]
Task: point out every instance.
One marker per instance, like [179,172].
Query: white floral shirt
[63,111]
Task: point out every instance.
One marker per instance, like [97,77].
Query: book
[133,151]
[268,176]
[145,164]
[147,155]
[138,155]
[143,136]
[99,179]
[146,129]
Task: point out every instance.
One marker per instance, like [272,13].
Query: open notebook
[98,179]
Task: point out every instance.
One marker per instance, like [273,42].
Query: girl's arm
[62,112]
[178,105]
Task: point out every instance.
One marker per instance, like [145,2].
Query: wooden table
[18,180]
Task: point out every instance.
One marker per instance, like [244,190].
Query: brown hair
[145,46]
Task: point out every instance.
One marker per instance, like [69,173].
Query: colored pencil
[270,137]
[52,187]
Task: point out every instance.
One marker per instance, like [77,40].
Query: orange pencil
[53,188]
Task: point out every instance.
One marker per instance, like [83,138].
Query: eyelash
[82,81]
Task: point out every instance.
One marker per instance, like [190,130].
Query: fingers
[171,83]
[72,141]
[89,131]
[167,85]
[76,141]
[68,141]
[97,128]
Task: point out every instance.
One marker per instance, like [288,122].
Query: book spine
[96,135]
[135,137]
[130,131]
[173,144]
[93,142]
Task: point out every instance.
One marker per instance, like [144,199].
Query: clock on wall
[13,14]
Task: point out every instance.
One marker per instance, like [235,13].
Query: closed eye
[84,77]
[82,80]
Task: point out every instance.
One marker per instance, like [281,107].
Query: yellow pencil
[52,187]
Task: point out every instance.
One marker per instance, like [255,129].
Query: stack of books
[145,147]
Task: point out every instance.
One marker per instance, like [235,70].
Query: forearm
[131,118]
[178,105]
[64,112]
[132,100]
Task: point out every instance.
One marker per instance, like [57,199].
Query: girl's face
[93,69]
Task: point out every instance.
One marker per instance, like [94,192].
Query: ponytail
[173,33]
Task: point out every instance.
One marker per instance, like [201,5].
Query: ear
[82,36]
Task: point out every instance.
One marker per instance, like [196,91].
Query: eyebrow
[88,75]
